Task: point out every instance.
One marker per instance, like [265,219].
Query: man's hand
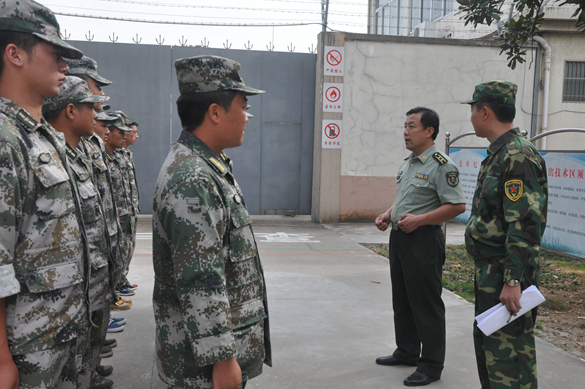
[510,297]
[227,374]
[9,373]
[409,222]
[382,221]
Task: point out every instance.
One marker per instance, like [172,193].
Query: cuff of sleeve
[513,274]
[9,285]
[212,349]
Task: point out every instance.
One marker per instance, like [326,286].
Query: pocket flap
[240,217]
[51,277]
[50,175]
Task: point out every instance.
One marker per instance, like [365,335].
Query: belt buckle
[395,227]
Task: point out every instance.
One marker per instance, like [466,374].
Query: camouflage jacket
[126,167]
[133,182]
[508,215]
[100,292]
[42,260]
[119,191]
[209,283]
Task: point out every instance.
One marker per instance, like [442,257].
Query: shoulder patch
[514,189]
[442,160]
[220,166]
[453,178]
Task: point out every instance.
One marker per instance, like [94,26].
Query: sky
[221,16]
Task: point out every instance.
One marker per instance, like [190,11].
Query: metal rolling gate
[274,166]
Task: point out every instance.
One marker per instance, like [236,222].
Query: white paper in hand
[496,317]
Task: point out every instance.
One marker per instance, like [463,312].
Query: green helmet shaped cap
[210,73]
[497,92]
[86,66]
[74,90]
[31,17]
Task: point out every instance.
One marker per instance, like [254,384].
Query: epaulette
[26,119]
[71,152]
[220,167]
[439,157]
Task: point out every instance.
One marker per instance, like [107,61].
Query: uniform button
[402,190]
[407,178]
[424,157]
[396,203]
[411,164]
[417,185]
[394,217]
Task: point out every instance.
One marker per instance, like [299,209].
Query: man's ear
[15,55]
[214,113]
[70,111]
[430,133]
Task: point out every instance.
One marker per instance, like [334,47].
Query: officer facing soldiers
[503,234]
[210,295]
[71,112]
[428,193]
[43,312]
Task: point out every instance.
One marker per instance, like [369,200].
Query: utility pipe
[545,92]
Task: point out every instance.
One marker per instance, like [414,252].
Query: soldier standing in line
[428,194]
[503,236]
[210,295]
[71,113]
[43,250]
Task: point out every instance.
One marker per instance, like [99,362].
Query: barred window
[574,82]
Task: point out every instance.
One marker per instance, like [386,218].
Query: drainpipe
[547,57]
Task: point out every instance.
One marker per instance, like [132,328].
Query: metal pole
[324,13]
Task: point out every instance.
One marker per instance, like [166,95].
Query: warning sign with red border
[331,135]
[334,61]
[332,97]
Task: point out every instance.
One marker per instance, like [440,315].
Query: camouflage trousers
[178,387]
[101,318]
[507,358]
[125,250]
[64,366]
[133,229]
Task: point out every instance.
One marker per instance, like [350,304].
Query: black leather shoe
[392,361]
[419,379]
[104,371]
[99,382]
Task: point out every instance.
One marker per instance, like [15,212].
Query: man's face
[45,69]
[84,120]
[477,122]
[132,136]
[235,121]
[101,129]
[415,136]
[96,90]
[117,138]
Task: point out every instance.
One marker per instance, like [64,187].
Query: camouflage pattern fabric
[210,73]
[74,90]
[503,236]
[32,17]
[497,92]
[42,258]
[209,296]
[88,67]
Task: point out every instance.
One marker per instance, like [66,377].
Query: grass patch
[555,304]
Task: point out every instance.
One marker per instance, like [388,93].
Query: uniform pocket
[54,198]
[52,277]
[242,244]
[89,201]
[420,190]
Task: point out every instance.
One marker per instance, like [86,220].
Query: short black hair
[52,116]
[192,107]
[505,113]
[23,40]
[429,118]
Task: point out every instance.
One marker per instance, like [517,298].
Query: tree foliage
[517,27]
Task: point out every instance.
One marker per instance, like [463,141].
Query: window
[574,82]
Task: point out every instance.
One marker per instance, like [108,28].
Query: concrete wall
[384,77]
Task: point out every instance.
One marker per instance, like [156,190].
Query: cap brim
[469,102]
[249,91]
[95,99]
[99,79]
[67,50]
[106,118]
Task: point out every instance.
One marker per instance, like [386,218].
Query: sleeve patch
[514,189]
[453,178]
[442,160]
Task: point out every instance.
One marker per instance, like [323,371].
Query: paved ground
[329,319]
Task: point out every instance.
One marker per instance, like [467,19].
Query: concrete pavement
[331,315]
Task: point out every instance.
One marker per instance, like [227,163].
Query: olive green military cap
[210,73]
[31,17]
[86,66]
[497,92]
[104,117]
[73,91]
[119,123]
[127,120]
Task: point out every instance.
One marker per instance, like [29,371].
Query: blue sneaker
[118,320]
[115,327]
[126,292]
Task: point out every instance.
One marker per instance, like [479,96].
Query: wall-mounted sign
[332,97]
[334,61]
[331,138]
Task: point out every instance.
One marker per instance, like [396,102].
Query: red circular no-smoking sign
[334,58]
[332,130]
[332,94]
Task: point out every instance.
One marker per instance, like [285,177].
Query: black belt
[395,227]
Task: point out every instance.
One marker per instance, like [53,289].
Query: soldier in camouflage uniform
[210,295]
[71,112]
[503,235]
[43,252]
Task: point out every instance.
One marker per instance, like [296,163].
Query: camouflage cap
[210,73]
[497,92]
[119,123]
[86,66]
[31,17]
[127,120]
[73,91]
[104,117]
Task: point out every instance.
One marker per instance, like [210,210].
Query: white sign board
[332,97]
[334,61]
[331,135]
